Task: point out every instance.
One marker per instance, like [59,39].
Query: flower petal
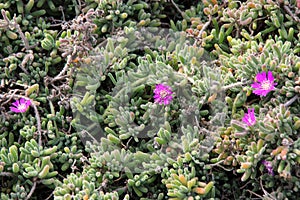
[255,85]
[22,101]
[258,92]
[16,103]
[253,119]
[260,77]
[263,93]
[270,76]
[28,103]
[245,119]
[249,118]
[16,110]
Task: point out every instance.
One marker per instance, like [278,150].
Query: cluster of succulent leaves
[94,130]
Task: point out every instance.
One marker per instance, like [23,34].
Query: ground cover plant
[148,99]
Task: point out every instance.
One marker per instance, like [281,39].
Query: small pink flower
[163,94]
[20,106]
[249,118]
[263,85]
[268,166]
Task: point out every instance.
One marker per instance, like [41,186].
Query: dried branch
[203,29]
[32,190]
[255,194]
[26,43]
[265,192]
[27,57]
[218,165]
[64,70]
[291,101]
[38,119]
[5,19]
[243,82]
[7,174]
[287,9]
[49,197]
[16,26]
[177,8]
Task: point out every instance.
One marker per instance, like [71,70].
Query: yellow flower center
[266,85]
[163,93]
[22,107]
[250,120]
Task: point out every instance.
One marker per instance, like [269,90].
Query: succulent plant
[149,99]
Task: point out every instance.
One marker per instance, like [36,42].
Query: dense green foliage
[94,131]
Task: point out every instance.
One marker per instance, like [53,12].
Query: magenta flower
[163,94]
[249,118]
[264,84]
[268,166]
[20,105]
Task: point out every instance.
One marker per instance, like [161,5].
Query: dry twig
[32,190]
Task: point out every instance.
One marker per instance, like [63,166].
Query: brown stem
[203,29]
[64,70]
[178,9]
[17,27]
[291,101]
[38,120]
[26,43]
[287,9]
[7,174]
[32,190]
[255,194]
[265,192]
[49,196]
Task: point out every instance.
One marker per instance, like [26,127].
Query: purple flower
[264,84]
[20,105]
[163,94]
[268,166]
[249,118]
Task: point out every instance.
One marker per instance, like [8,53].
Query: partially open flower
[249,118]
[163,94]
[20,106]
[268,166]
